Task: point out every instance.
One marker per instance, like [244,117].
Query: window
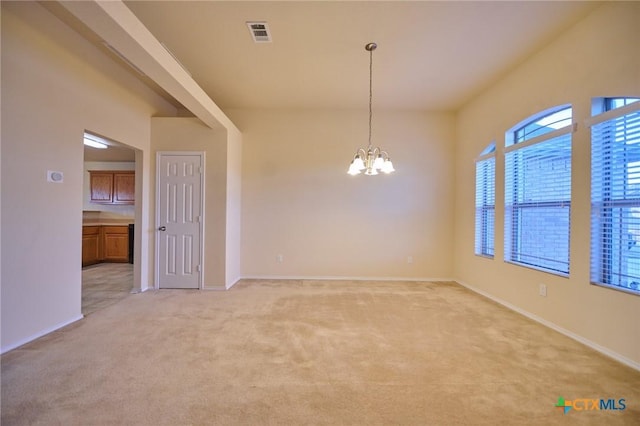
[613,103]
[538,191]
[485,201]
[615,195]
[540,126]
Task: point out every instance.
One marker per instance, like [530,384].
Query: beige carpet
[310,352]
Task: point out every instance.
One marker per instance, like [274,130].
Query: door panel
[180,206]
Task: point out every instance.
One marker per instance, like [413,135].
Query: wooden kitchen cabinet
[116,243]
[112,187]
[105,243]
[91,245]
[124,187]
[101,187]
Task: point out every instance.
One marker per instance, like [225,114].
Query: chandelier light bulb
[353,169]
[379,162]
[387,167]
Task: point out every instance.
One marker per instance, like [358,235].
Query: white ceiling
[430,56]
[113,153]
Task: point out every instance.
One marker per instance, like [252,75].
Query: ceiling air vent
[259,32]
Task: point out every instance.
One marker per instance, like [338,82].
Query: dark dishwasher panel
[131,242]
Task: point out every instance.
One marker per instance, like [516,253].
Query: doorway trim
[159,155]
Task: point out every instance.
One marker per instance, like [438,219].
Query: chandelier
[372,159]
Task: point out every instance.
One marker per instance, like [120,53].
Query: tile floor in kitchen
[105,284]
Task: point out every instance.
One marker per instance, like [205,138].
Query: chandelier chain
[370,93]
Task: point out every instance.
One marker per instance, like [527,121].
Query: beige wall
[234,208]
[298,200]
[55,85]
[597,57]
[189,134]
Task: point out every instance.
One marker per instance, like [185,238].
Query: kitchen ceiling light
[90,140]
[372,159]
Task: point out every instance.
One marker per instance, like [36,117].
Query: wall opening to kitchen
[108,222]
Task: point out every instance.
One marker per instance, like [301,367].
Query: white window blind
[615,198]
[485,205]
[538,202]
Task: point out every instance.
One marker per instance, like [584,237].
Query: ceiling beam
[116,25]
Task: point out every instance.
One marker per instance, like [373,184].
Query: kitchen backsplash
[97,217]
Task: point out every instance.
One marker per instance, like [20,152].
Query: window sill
[537,268]
[618,288]
[484,256]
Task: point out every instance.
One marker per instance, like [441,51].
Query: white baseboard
[41,333]
[339,278]
[603,350]
[237,280]
[214,288]
[221,287]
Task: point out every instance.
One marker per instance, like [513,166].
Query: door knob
[162,228]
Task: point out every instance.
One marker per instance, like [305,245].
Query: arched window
[485,201]
[615,194]
[550,121]
[538,191]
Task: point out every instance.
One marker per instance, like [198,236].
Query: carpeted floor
[310,353]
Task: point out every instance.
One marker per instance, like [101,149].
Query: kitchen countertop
[107,223]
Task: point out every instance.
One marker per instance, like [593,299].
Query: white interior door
[179,224]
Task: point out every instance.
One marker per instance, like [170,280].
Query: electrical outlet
[410,259]
[542,290]
[280,258]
